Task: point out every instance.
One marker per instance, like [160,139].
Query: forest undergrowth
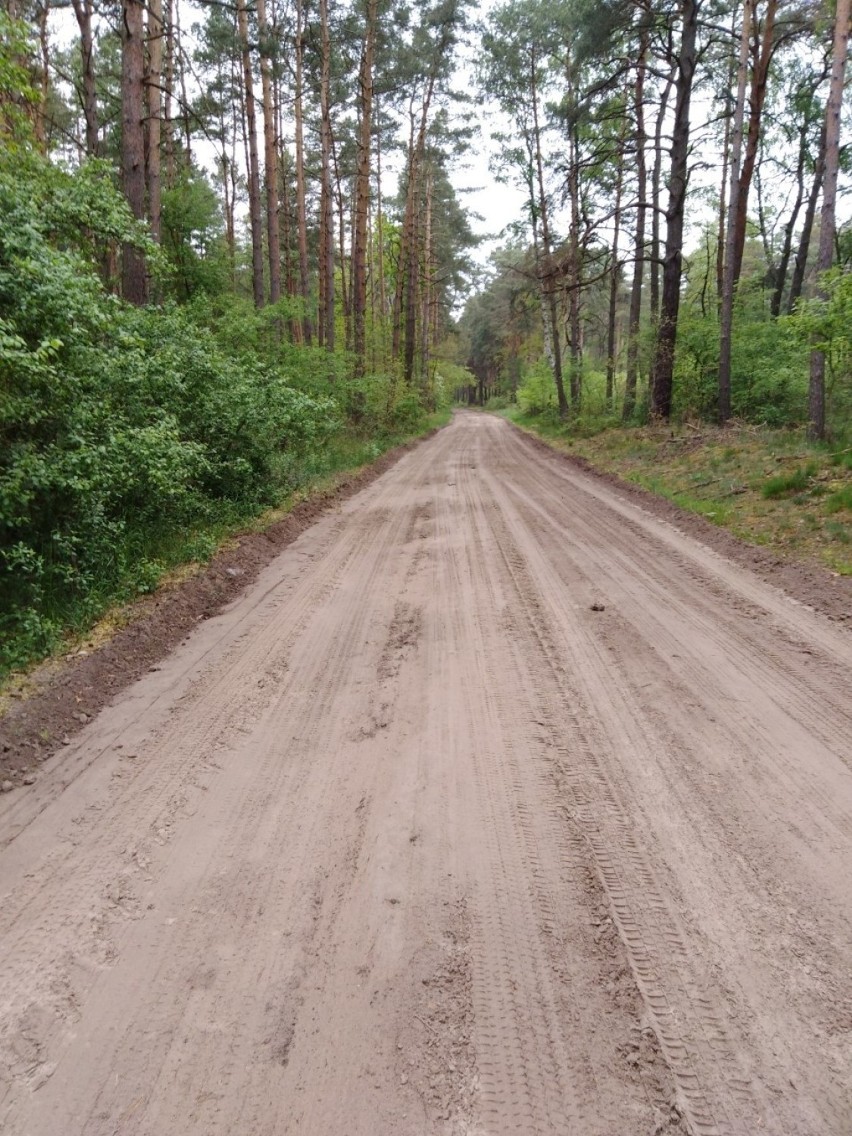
[773,488]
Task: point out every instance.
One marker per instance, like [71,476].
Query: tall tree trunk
[576,275]
[230,234]
[327,318]
[801,265]
[179,56]
[134,280]
[41,134]
[663,368]
[547,276]
[340,200]
[380,238]
[168,93]
[816,393]
[726,314]
[790,228]
[362,191]
[543,307]
[291,284]
[426,289]
[301,207]
[255,214]
[412,286]
[409,250]
[757,97]
[288,249]
[405,239]
[656,183]
[724,190]
[724,184]
[155,79]
[635,316]
[233,164]
[270,158]
[83,13]
[613,277]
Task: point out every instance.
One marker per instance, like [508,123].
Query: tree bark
[178,54]
[406,237]
[724,184]
[83,14]
[426,289]
[613,277]
[380,238]
[270,158]
[663,367]
[783,265]
[409,258]
[340,201]
[168,90]
[800,267]
[41,116]
[656,180]
[757,97]
[547,276]
[327,317]
[362,191]
[255,216]
[726,313]
[155,102]
[575,279]
[635,316]
[301,207]
[134,280]
[816,392]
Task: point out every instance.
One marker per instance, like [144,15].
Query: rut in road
[412,840]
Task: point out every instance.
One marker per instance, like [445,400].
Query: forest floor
[498,802]
[772,488]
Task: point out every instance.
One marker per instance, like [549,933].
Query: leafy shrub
[537,391]
[120,429]
[827,321]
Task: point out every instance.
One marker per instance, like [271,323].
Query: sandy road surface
[410,840]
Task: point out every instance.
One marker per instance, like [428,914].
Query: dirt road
[412,839]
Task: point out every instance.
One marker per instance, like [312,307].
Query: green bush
[120,429]
[537,390]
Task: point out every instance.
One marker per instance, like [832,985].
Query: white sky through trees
[494,205]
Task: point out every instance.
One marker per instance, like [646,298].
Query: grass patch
[772,488]
[784,483]
[840,499]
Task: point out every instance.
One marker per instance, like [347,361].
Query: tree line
[623,118]
[285,115]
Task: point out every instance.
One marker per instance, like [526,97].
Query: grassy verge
[769,487]
[167,559]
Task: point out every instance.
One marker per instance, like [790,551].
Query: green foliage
[537,392]
[193,238]
[120,429]
[826,322]
[17,94]
[784,483]
[449,377]
[769,368]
